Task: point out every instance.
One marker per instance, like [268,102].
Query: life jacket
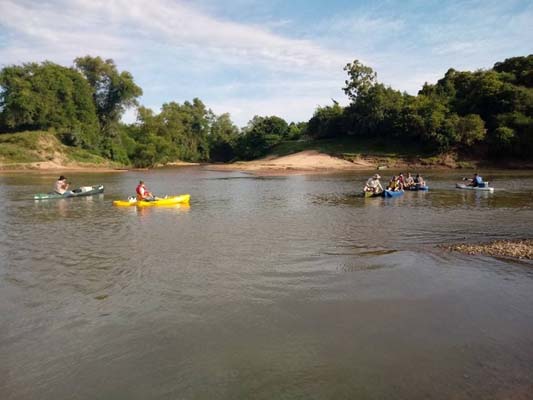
[140,192]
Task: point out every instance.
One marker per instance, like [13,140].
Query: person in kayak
[61,185]
[143,193]
[476,181]
[419,181]
[395,185]
[373,185]
[401,179]
[409,181]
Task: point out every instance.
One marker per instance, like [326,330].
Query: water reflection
[171,209]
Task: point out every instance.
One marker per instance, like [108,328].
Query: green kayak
[80,192]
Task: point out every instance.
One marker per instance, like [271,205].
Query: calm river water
[265,288]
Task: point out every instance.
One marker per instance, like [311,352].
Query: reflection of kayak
[485,188]
[392,193]
[415,188]
[372,194]
[168,201]
[82,191]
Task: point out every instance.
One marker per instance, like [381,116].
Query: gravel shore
[521,249]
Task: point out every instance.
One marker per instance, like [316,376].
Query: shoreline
[300,163]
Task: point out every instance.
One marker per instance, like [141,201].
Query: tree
[470,129]
[43,96]
[519,70]
[361,79]
[296,130]
[223,138]
[327,122]
[113,91]
[260,135]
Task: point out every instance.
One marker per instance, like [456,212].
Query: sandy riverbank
[521,249]
[309,161]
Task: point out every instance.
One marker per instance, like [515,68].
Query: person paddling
[476,180]
[419,181]
[373,185]
[61,185]
[395,185]
[143,194]
[409,181]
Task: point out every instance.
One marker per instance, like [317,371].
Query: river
[265,288]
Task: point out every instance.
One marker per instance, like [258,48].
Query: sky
[278,57]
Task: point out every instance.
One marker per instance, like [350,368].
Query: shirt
[59,187]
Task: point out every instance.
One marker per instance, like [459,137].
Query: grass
[38,146]
[12,153]
[21,147]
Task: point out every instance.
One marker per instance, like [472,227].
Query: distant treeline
[487,113]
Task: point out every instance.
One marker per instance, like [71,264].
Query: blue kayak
[416,188]
[392,193]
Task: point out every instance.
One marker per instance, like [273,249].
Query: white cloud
[116,27]
[177,50]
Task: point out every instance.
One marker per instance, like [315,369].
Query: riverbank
[519,249]
[42,151]
[313,161]
[301,162]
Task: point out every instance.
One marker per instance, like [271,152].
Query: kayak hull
[372,194]
[479,189]
[169,201]
[80,192]
[418,188]
[392,193]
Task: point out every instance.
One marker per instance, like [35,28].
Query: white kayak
[485,188]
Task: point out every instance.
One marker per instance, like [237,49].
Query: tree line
[488,113]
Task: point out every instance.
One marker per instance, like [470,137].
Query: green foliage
[470,129]
[483,111]
[36,146]
[519,70]
[223,139]
[297,130]
[43,96]
[463,111]
[178,132]
[361,79]
[260,135]
[112,91]
[327,122]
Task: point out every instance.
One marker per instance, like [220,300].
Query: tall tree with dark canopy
[113,91]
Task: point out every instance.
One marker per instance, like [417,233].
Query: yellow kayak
[167,201]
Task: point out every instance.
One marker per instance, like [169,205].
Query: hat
[376,176]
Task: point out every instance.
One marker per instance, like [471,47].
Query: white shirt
[59,187]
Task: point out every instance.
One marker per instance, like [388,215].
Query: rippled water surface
[264,288]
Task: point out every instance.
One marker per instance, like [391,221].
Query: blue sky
[250,57]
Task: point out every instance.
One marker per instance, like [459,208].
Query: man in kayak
[143,193]
[409,181]
[373,185]
[419,181]
[476,180]
[61,185]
